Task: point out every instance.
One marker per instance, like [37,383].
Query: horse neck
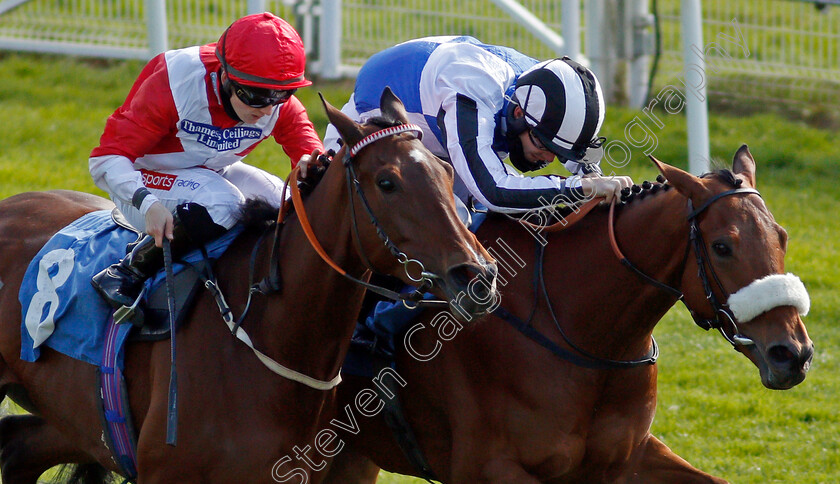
[654,238]
[607,308]
[311,321]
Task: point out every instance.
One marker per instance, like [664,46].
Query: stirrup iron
[128,313]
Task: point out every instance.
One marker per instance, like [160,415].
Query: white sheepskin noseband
[767,293]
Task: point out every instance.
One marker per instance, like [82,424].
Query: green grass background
[713,410]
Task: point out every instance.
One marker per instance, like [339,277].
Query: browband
[373,137]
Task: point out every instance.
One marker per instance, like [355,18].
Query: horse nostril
[780,355]
[477,281]
[792,359]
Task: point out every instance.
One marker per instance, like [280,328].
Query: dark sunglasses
[256,97]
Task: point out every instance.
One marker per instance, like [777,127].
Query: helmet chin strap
[225,95]
[514,126]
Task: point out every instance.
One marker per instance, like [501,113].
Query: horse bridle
[271,283]
[723,315]
[424,277]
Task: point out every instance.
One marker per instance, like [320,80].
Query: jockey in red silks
[176,145]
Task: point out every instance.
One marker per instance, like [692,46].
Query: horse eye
[386,185]
[721,249]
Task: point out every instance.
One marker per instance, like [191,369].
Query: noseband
[723,316]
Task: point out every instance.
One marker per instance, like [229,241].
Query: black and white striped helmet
[563,105]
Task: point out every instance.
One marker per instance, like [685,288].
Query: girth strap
[574,358]
[400,427]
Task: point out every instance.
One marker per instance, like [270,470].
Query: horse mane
[646,188]
[638,192]
[256,213]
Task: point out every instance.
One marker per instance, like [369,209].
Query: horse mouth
[471,289]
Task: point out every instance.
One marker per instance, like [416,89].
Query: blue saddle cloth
[377,333]
[60,308]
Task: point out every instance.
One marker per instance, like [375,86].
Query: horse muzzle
[471,289]
[782,357]
[784,361]
[783,366]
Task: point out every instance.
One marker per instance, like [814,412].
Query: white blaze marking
[417,155]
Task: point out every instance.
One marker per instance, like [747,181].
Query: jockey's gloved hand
[310,164]
[159,223]
[312,168]
[608,187]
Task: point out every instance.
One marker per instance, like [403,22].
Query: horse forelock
[726,176]
[383,121]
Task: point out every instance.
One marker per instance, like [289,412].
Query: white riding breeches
[221,193]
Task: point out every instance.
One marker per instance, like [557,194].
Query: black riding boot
[121,283]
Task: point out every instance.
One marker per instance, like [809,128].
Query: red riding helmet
[262,50]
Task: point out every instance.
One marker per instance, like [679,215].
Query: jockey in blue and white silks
[478,104]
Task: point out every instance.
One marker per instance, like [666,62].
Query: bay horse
[570,398]
[237,419]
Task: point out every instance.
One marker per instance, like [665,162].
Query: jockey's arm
[295,132]
[468,129]
[132,131]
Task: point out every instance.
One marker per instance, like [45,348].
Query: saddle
[188,282]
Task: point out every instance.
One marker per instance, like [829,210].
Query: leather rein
[723,316]
[577,355]
[425,278]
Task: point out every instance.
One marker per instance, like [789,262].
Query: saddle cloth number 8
[40,325]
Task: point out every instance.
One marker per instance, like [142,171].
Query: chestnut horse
[572,399]
[238,419]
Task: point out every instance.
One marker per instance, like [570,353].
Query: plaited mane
[638,192]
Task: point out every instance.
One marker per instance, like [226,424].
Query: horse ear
[350,131]
[391,106]
[743,164]
[685,183]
